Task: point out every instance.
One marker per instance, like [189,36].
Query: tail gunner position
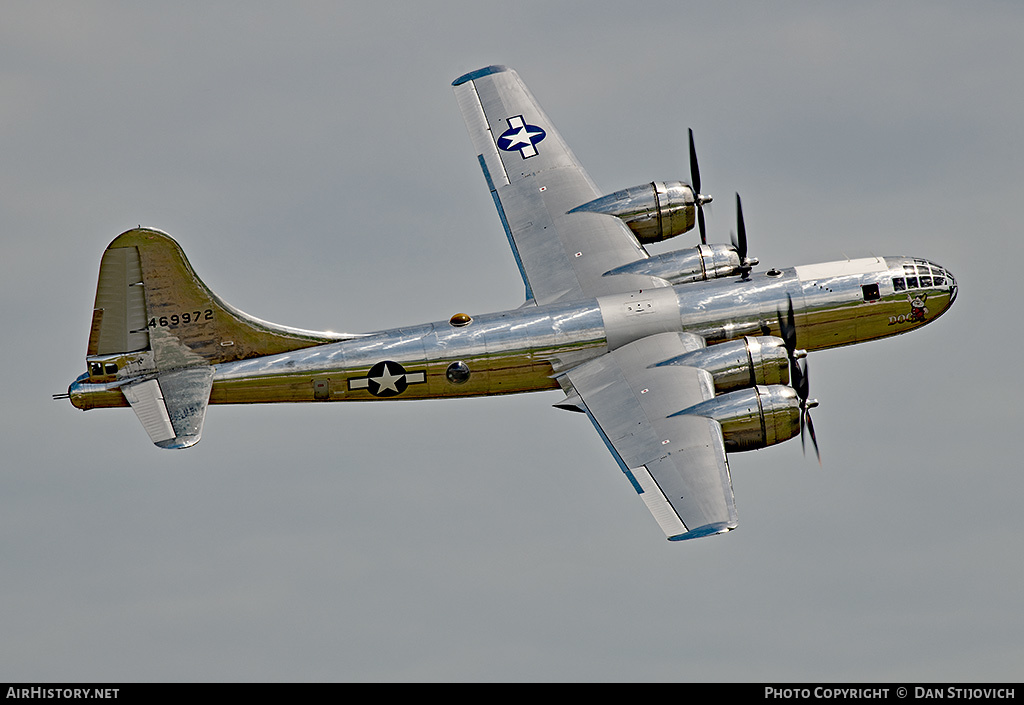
[677,359]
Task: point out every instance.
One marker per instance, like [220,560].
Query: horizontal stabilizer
[172,406]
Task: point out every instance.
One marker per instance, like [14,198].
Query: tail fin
[149,297]
[157,329]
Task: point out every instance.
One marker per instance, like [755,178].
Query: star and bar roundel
[386,379]
[520,137]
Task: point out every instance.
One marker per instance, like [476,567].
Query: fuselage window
[870,292]
[457,373]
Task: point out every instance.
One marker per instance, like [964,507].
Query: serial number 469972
[182,318]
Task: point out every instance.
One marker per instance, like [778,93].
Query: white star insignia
[387,381]
[521,138]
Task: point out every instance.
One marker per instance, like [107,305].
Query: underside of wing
[675,462]
[535,181]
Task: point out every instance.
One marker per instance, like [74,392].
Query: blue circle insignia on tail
[521,137]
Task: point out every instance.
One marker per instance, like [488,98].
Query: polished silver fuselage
[522,350]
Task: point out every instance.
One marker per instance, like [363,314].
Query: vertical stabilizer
[149,297]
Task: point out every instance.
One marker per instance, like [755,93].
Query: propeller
[740,244]
[699,198]
[798,376]
[801,387]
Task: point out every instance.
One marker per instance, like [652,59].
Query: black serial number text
[177,319]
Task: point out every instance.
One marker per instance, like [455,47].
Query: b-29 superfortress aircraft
[677,359]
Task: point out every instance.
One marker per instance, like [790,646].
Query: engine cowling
[654,212]
[753,418]
[751,361]
[693,264]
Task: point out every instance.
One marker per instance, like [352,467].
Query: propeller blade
[699,200]
[803,415]
[694,169]
[800,382]
[814,438]
[787,329]
[798,376]
[791,323]
[741,246]
[802,386]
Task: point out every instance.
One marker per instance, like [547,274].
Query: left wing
[676,463]
[535,180]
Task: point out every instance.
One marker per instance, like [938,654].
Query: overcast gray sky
[311,160]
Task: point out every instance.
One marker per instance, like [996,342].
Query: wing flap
[676,463]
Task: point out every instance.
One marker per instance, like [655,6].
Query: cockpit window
[920,274]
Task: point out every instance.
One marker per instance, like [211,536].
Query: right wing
[676,463]
[535,180]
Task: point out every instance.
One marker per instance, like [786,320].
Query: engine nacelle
[740,363]
[693,264]
[654,212]
[753,418]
